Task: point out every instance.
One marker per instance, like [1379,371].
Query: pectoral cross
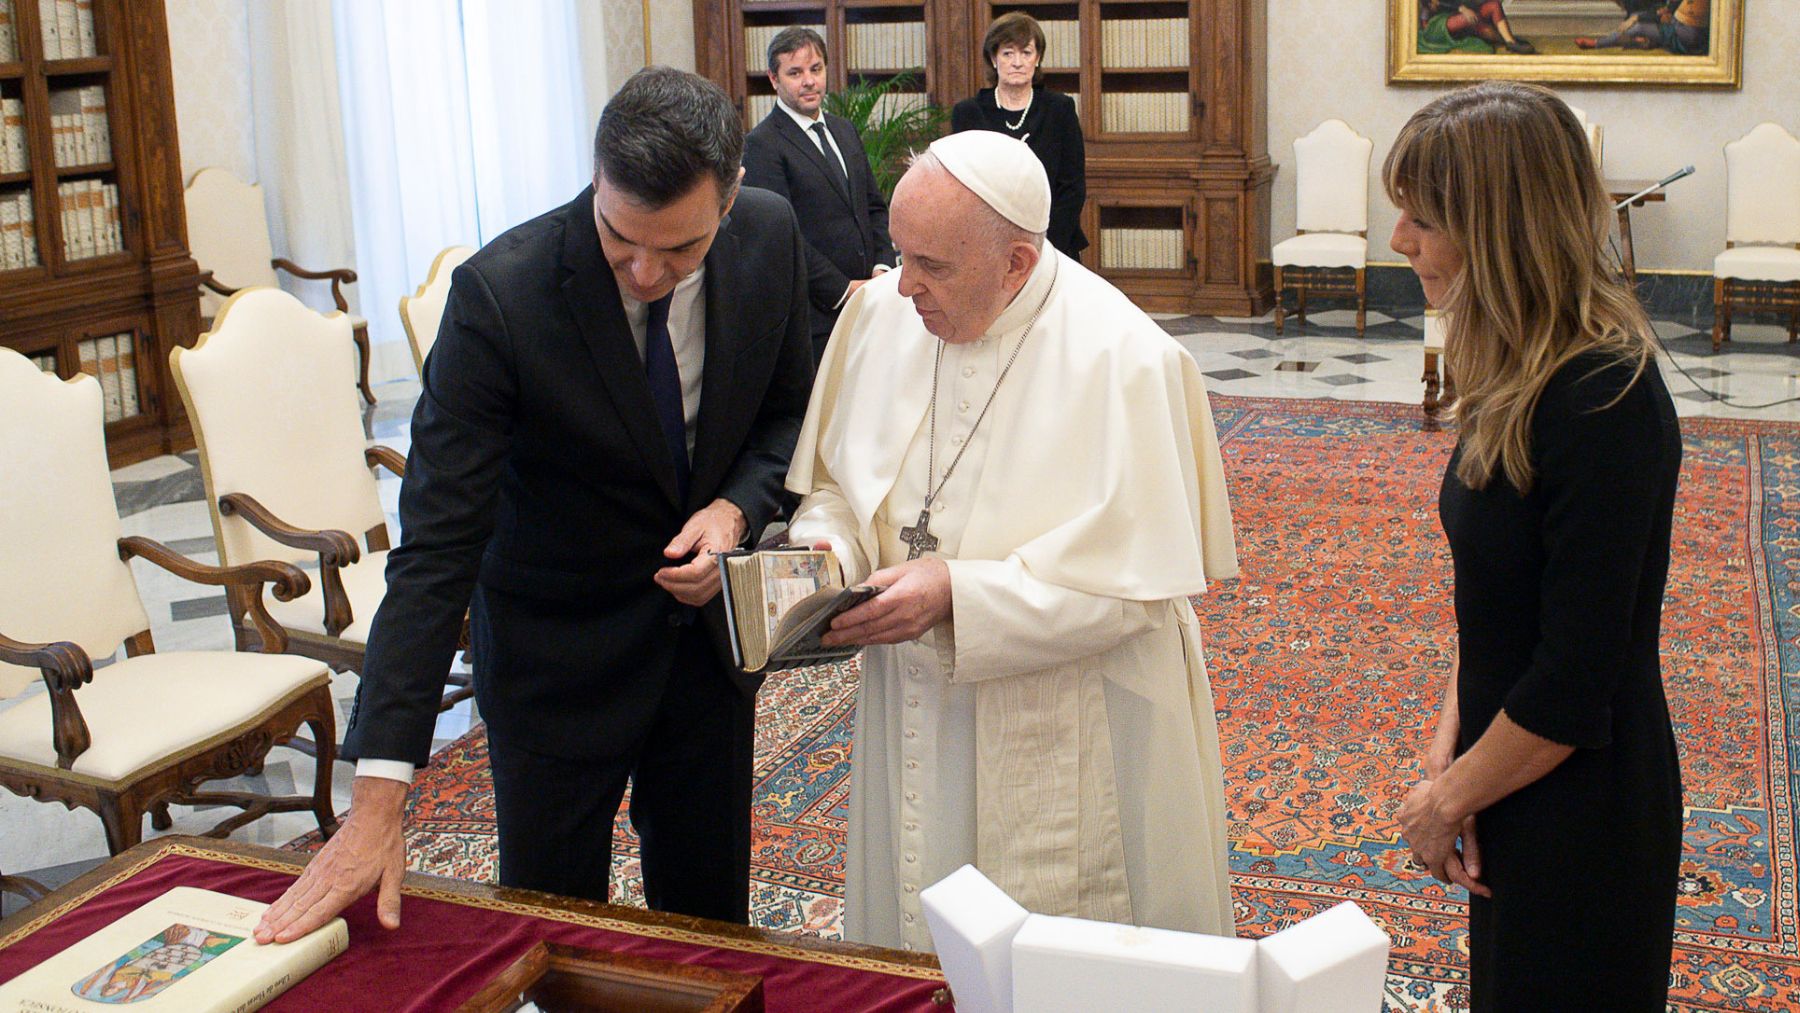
[920,538]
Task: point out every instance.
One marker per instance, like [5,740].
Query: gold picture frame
[1639,42]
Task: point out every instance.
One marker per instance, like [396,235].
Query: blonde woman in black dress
[1552,789]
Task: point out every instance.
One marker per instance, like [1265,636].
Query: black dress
[1053,132]
[1558,604]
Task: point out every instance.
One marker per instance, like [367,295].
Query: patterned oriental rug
[1328,657]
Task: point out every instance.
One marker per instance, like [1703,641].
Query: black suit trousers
[686,752]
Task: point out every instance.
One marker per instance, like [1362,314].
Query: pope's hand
[917,598]
[368,850]
[717,527]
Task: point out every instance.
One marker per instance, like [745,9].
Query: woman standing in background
[1554,760]
[1019,106]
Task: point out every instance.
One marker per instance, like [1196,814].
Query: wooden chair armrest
[208,281]
[65,666]
[338,276]
[244,583]
[335,548]
[386,457]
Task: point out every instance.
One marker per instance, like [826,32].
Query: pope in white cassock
[1028,465]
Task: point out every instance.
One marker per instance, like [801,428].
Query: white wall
[672,33]
[209,48]
[1328,59]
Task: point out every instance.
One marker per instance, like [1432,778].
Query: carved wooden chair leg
[1362,302]
[159,816]
[1430,378]
[323,731]
[1721,313]
[1794,314]
[361,336]
[124,823]
[1280,309]
[1300,310]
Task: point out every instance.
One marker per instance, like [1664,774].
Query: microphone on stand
[1658,185]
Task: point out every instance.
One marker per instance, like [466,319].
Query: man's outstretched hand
[368,850]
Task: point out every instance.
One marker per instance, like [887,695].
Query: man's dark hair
[793,39]
[663,132]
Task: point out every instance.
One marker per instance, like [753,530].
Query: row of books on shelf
[757,39]
[1141,249]
[79,132]
[90,219]
[886,44]
[18,231]
[67,27]
[1145,112]
[1062,45]
[15,154]
[1144,42]
[112,359]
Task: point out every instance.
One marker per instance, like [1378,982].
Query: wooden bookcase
[1178,198]
[117,301]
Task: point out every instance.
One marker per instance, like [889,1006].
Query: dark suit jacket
[1052,130]
[846,230]
[537,467]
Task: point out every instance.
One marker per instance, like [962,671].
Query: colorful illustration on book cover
[790,577]
[153,965]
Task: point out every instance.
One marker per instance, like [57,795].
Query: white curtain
[460,121]
[300,141]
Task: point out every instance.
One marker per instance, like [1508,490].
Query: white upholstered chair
[1332,217]
[288,472]
[1760,268]
[228,233]
[146,731]
[421,312]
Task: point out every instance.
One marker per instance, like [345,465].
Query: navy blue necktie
[665,389]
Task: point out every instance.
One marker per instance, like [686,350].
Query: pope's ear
[1022,259]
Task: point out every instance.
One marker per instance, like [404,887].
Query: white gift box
[1072,965]
[1333,962]
[972,925]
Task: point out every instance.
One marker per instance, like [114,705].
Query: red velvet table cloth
[448,946]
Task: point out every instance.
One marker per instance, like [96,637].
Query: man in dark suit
[613,396]
[817,162]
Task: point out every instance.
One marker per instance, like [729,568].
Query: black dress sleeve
[1602,465]
[1068,178]
[966,115]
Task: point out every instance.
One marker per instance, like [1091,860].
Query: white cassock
[1058,732]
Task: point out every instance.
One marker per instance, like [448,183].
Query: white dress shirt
[687,332]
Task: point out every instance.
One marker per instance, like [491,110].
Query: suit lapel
[593,298]
[723,342]
[797,137]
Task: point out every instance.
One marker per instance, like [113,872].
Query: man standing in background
[817,162]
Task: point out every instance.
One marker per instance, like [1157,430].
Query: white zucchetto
[1002,171]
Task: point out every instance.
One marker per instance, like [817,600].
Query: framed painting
[1690,43]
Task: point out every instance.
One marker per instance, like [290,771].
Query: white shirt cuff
[881,269]
[393,770]
[842,299]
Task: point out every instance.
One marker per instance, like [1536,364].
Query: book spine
[90,357]
[68,30]
[45,361]
[9,33]
[12,246]
[94,125]
[28,230]
[304,956]
[47,29]
[13,154]
[93,207]
[115,228]
[84,27]
[108,355]
[128,387]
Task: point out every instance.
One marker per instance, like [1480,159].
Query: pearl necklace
[1030,96]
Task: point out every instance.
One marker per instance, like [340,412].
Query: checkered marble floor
[162,498]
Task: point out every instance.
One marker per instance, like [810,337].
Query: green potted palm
[891,126]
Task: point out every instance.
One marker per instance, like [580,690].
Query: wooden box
[565,978]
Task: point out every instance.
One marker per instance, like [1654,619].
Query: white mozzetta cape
[1058,732]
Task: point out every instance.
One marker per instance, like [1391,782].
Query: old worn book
[779,602]
[187,951]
